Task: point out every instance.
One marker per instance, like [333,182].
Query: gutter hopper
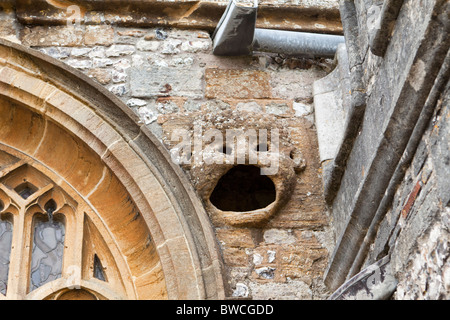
[235,31]
[236,34]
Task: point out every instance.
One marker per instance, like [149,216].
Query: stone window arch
[55,243]
[133,226]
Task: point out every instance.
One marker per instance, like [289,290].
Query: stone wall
[416,229]
[387,186]
[170,78]
[388,182]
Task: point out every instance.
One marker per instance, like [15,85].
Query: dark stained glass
[47,251]
[25,190]
[98,269]
[6,232]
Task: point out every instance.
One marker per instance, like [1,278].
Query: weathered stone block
[120,50]
[59,53]
[119,89]
[7,20]
[294,84]
[265,255]
[251,106]
[119,77]
[80,52]
[102,35]
[79,64]
[171,46]
[165,81]
[235,257]
[237,84]
[52,36]
[192,105]
[122,65]
[440,150]
[128,36]
[266,273]
[166,106]
[278,108]
[101,62]
[302,109]
[97,52]
[240,238]
[101,75]
[136,103]
[292,290]
[215,106]
[136,33]
[196,46]
[145,45]
[302,262]
[279,236]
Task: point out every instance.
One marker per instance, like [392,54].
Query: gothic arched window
[49,240]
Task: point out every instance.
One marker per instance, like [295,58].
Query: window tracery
[47,237]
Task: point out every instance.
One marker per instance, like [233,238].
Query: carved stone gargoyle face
[242,165]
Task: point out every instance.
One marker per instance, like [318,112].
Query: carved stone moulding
[180,14]
[254,173]
[74,154]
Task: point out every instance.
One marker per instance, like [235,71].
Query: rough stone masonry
[169,77]
[163,69]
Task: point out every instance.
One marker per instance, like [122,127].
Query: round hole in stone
[292,154]
[243,188]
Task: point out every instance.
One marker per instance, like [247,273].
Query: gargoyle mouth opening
[242,189]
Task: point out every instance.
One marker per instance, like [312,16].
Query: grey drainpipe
[236,35]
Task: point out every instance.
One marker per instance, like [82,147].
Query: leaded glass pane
[25,190]
[47,252]
[6,232]
[98,269]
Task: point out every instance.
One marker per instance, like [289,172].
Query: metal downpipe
[236,35]
[296,43]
